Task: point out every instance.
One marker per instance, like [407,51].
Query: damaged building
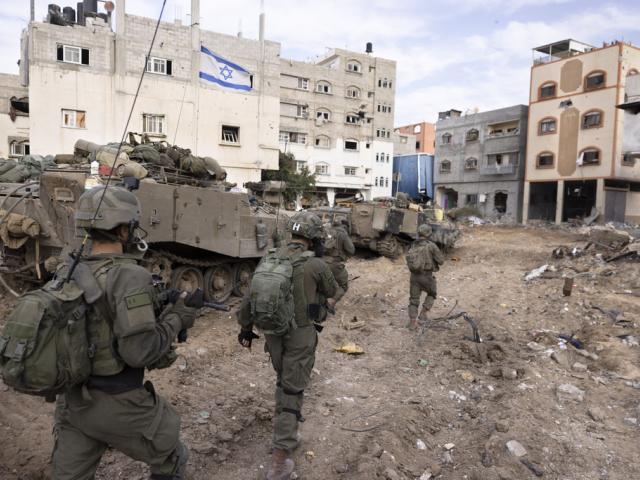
[479,161]
[14,117]
[581,154]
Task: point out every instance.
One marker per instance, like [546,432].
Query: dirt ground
[414,406]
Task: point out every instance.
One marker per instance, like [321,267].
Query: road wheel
[242,273]
[389,246]
[218,283]
[187,279]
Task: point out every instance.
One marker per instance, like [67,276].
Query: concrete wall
[17,129]
[403,143]
[425,133]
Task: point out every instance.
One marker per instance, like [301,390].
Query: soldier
[114,408]
[339,248]
[423,258]
[293,353]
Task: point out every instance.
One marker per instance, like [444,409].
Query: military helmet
[119,207]
[424,230]
[307,225]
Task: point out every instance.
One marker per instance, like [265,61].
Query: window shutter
[85,56]
[60,53]
[168,67]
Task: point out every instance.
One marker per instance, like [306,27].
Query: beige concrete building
[576,158]
[336,117]
[14,121]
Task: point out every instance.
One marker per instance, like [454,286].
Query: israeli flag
[215,69]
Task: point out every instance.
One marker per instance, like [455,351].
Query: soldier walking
[338,248]
[423,258]
[291,342]
[114,408]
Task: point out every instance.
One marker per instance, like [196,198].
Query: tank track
[192,262]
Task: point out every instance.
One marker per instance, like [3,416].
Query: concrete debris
[516,449]
[536,273]
[566,391]
[420,445]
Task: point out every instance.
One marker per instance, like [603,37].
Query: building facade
[336,118]
[425,134]
[577,161]
[480,161]
[14,121]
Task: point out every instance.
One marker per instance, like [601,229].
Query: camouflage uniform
[424,281]
[114,408]
[338,255]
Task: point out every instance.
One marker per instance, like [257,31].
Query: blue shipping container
[413,175]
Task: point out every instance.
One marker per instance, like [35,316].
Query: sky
[462,54]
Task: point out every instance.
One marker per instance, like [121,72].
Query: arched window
[354,66]
[19,148]
[446,138]
[323,87]
[352,118]
[547,90]
[353,92]
[547,126]
[471,163]
[632,72]
[323,114]
[472,135]
[544,160]
[589,156]
[594,80]
[322,141]
[592,119]
[445,166]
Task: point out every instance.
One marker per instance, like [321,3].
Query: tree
[298,183]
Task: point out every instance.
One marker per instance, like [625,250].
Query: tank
[200,233]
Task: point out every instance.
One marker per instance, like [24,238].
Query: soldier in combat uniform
[115,408]
[293,354]
[339,249]
[423,258]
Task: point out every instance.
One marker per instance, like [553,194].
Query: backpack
[419,258]
[330,243]
[44,346]
[271,291]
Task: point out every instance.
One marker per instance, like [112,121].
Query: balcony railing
[498,169]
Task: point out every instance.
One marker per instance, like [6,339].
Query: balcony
[508,169]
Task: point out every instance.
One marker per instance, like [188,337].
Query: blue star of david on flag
[223,73]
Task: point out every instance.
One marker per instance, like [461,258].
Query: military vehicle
[199,233]
[387,226]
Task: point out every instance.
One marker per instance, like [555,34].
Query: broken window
[18,148]
[589,156]
[322,141]
[544,160]
[629,159]
[161,66]
[594,80]
[471,199]
[302,111]
[500,202]
[351,171]
[154,124]
[446,138]
[323,87]
[417,128]
[230,134]
[547,126]
[73,118]
[322,169]
[445,166]
[71,54]
[352,118]
[303,83]
[354,66]
[293,137]
[471,164]
[472,135]
[592,119]
[323,114]
[547,90]
[353,92]
[351,145]
[502,129]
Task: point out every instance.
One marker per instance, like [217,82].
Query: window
[322,169]
[384,108]
[351,171]
[445,166]
[547,90]
[383,133]
[293,137]
[592,119]
[589,156]
[73,118]
[322,141]
[376,181]
[417,128]
[302,111]
[157,65]
[386,181]
[352,118]
[417,145]
[300,165]
[502,159]
[387,158]
[629,159]
[69,54]
[323,87]
[351,145]
[544,160]
[19,148]
[471,199]
[353,92]
[595,80]
[154,124]
[384,83]
[472,135]
[284,137]
[303,83]
[230,134]
[547,126]
[446,138]
[354,66]
[323,114]
[632,72]
[471,164]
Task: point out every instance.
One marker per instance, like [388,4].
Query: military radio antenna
[85,239]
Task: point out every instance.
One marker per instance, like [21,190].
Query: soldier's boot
[281,465]
[412,324]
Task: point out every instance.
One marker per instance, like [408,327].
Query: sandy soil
[415,405]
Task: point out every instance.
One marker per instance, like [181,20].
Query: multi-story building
[425,134]
[629,207]
[14,120]
[479,161]
[576,158]
[336,118]
[82,80]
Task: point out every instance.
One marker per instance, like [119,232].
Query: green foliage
[297,182]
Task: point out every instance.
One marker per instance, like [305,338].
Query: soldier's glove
[187,314]
[245,337]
